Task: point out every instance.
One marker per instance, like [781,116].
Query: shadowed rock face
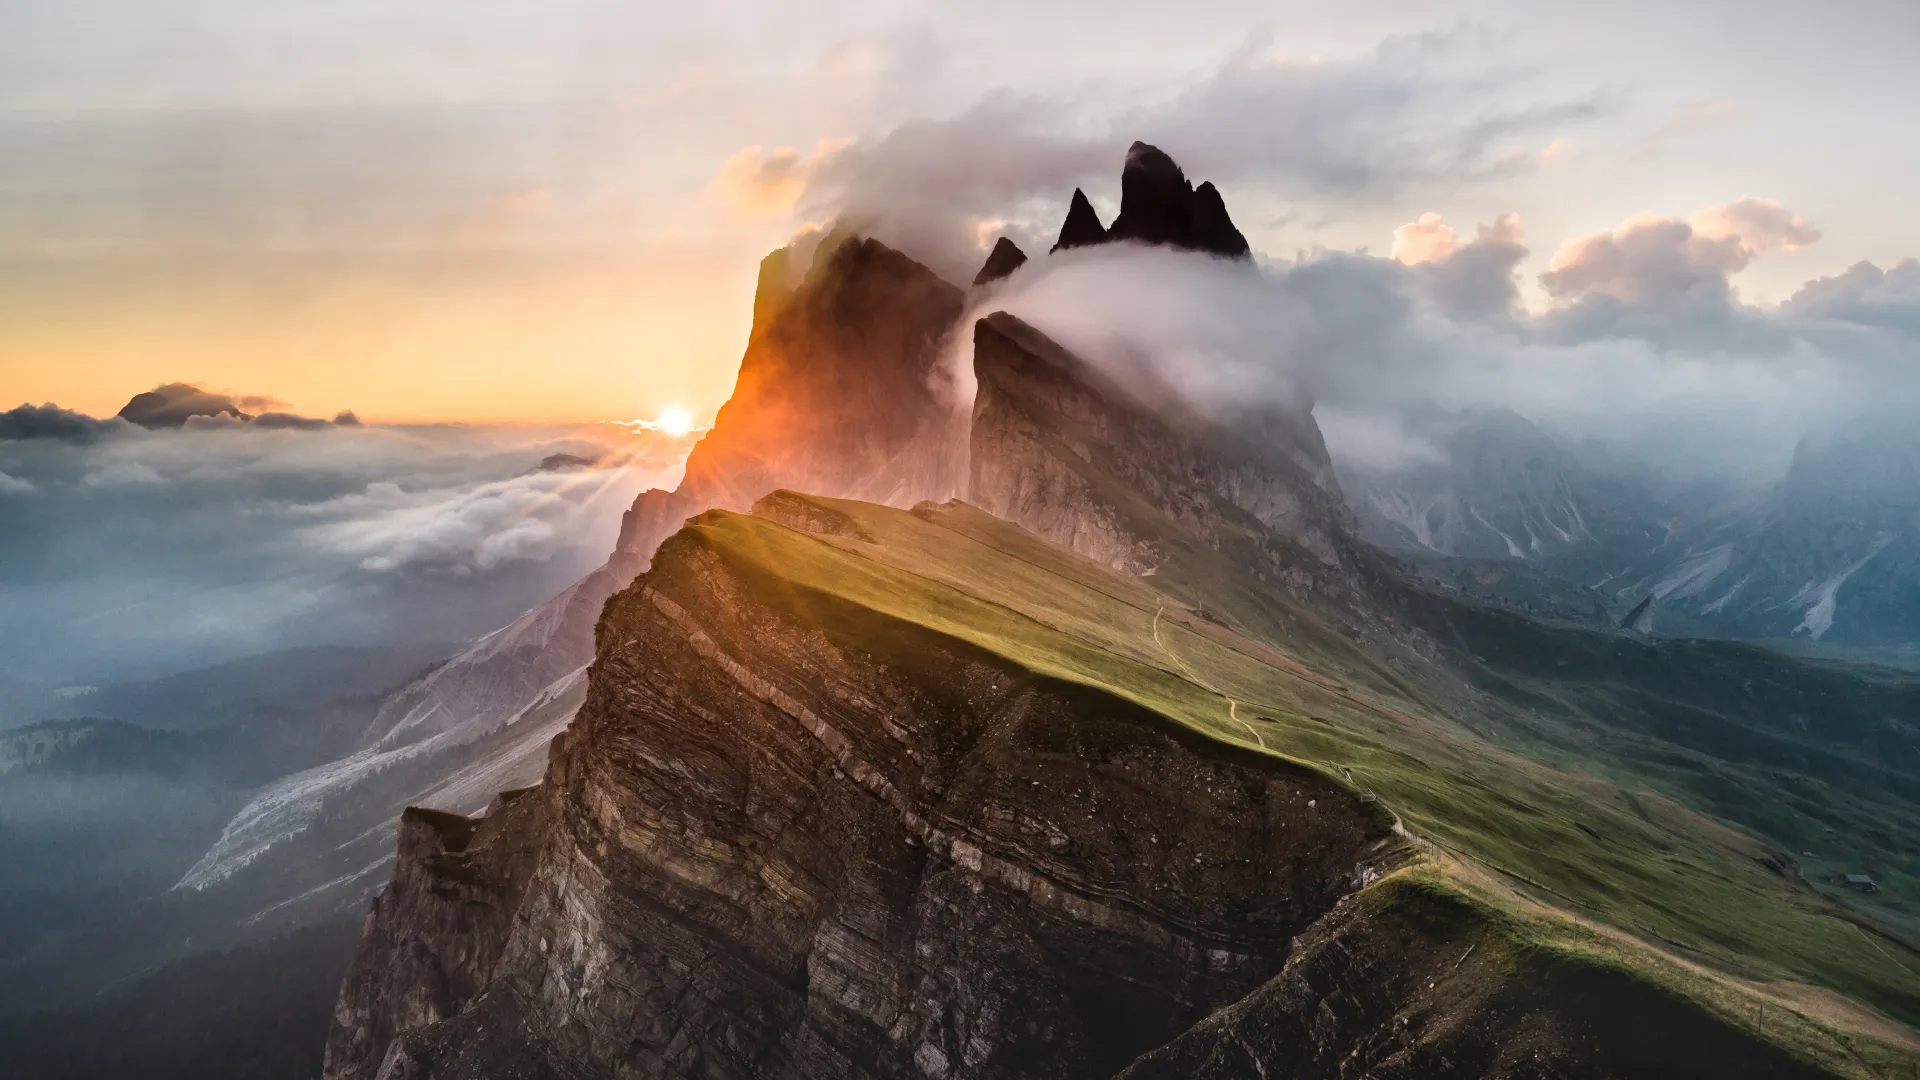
[456,880]
[792,837]
[836,394]
[1082,227]
[1062,451]
[1005,258]
[1158,205]
[172,405]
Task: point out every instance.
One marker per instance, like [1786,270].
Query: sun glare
[674,420]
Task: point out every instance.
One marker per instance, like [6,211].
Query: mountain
[1179,779]
[1158,205]
[1830,554]
[172,405]
[838,392]
[101,815]
[1498,487]
[254,1013]
[1004,259]
[1080,734]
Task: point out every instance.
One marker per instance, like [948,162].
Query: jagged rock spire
[1158,205]
[1005,258]
[1082,226]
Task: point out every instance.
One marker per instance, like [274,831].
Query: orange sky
[486,338]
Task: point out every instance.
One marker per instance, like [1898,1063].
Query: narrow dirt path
[1233,707]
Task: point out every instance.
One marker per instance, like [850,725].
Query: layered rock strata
[793,837]
[1070,455]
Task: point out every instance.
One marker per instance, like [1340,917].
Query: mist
[1690,380]
[127,552]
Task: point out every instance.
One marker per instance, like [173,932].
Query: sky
[505,210]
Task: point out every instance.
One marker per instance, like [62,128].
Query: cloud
[1758,225]
[462,530]
[1421,109]
[1429,239]
[760,183]
[1864,295]
[1648,261]
[50,421]
[1680,373]
[123,474]
[164,549]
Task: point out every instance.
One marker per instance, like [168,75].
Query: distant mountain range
[1828,554]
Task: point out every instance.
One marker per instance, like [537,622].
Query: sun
[674,420]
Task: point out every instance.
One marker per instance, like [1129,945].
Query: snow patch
[1819,617]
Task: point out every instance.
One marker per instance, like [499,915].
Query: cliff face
[1070,456]
[795,833]
[436,931]
[837,394]
[795,837]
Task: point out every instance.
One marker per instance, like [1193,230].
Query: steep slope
[923,793]
[836,393]
[1062,451]
[1502,489]
[1830,554]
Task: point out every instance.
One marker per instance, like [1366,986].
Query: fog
[1642,344]
[126,552]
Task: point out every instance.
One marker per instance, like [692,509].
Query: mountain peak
[172,405]
[1082,227]
[1158,205]
[1004,259]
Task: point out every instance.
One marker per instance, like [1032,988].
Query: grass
[1586,846]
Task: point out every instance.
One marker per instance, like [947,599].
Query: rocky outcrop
[837,394]
[457,881]
[1062,450]
[1004,259]
[1405,982]
[1158,205]
[794,837]
[1082,227]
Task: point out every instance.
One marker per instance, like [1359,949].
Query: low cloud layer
[126,551]
[1644,346]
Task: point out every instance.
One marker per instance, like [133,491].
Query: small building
[1860,882]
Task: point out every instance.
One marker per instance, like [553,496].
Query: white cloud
[1429,239]
[165,549]
[1757,224]
[124,474]
[10,485]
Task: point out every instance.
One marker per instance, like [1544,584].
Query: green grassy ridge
[1577,840]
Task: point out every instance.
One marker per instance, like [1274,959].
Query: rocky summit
[1080,734]
[1158,205]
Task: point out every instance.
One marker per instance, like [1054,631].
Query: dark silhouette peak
[1159,205]
[171,406]
[1082,226]
[1004,259]
[1213,230]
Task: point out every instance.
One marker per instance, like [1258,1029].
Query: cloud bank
[1644,347]
[126,551]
